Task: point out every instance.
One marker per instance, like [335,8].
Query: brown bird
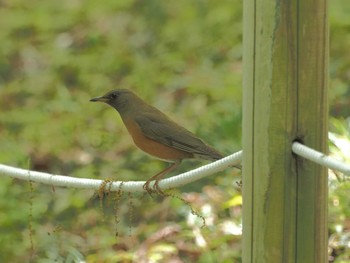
[156,134]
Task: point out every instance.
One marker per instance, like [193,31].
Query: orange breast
[153,147]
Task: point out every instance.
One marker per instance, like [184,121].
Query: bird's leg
[161,175]
[158,177]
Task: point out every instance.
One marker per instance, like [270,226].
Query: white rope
[130,186]
[172,182]
[320,158]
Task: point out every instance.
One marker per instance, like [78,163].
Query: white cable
[320,158]
[130,186]
[176,181]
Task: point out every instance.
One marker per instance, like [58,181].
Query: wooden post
[284,98]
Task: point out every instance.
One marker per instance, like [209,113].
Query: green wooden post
[285,98]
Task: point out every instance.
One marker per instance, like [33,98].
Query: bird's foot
[155,189]
[148,189]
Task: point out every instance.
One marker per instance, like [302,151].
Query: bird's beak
[101,99]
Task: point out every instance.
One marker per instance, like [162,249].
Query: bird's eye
[113,96]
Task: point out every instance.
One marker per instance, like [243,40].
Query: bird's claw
[147,188]
[154,189]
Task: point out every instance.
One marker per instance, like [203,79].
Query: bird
[156,134]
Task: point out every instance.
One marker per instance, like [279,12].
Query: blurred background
[184,57]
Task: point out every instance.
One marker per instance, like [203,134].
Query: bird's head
[118,99]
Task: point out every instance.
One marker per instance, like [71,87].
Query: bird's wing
[169,133]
